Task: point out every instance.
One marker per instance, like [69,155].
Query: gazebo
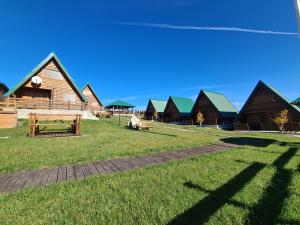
[120,107]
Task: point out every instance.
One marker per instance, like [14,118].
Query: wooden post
[119,118]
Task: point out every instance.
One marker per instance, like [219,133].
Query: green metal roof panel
[297,101]
[159,105]
[120,103]
[37,68]
[184,105]
[222,103]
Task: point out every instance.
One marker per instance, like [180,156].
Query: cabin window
[69,97]
[53,74]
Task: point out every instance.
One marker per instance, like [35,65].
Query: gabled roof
[283,98]
[220,102]
[184,105]
[119,103]
[159,105]
[93,92]
[39,67]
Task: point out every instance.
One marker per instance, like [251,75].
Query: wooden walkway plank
[62,174]
[10,181]
[99,167]
[52,178]
[113,167]
[93,169]
[32,178]
[19,184]
[78,172]
[70,172]
[41,177]
[105,166]
[86,170]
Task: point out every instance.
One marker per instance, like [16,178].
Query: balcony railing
[20,103]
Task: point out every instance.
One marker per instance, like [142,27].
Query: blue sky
[137,49]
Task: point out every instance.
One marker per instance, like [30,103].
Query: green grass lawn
[100,140]
[256,184]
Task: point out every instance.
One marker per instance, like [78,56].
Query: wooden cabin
[93,102]
[3,90]
[155,109]
[48,85]
[262,106]
[215,107]
[178,109]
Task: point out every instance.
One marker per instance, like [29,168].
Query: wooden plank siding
[92,102]
[8,120]
[56,88]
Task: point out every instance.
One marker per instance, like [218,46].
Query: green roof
[184,105]
[159,105]
[222,103]
[296,102]
[37,68]
[120,103]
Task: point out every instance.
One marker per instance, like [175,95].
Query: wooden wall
[55,86]
[8,120]
[150,111]
[262,108]
[171,113]
[210,113]
[92,101]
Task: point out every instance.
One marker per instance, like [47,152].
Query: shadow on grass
[256,142]
[169,135]
[205,208]
[266,211]
[269,207]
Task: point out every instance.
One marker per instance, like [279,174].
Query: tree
[200,118]
[281,119]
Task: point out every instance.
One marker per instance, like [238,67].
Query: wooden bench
[146,126]
[66,123]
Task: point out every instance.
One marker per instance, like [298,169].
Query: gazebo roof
[120,103]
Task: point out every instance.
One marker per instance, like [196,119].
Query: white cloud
[203,28]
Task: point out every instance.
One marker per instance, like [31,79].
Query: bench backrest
[54,117]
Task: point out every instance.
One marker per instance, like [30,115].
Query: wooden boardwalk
[43,177]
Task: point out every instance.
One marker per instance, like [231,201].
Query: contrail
[204,28]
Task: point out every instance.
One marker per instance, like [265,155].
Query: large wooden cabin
[262,106]
[93,102]
[48,82]
[215,107]
[155,109]
[178,109]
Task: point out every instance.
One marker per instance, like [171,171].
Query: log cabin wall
[210,113]
[171,113]
[150,111]
[262,108]
[92,101]
[55,86]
